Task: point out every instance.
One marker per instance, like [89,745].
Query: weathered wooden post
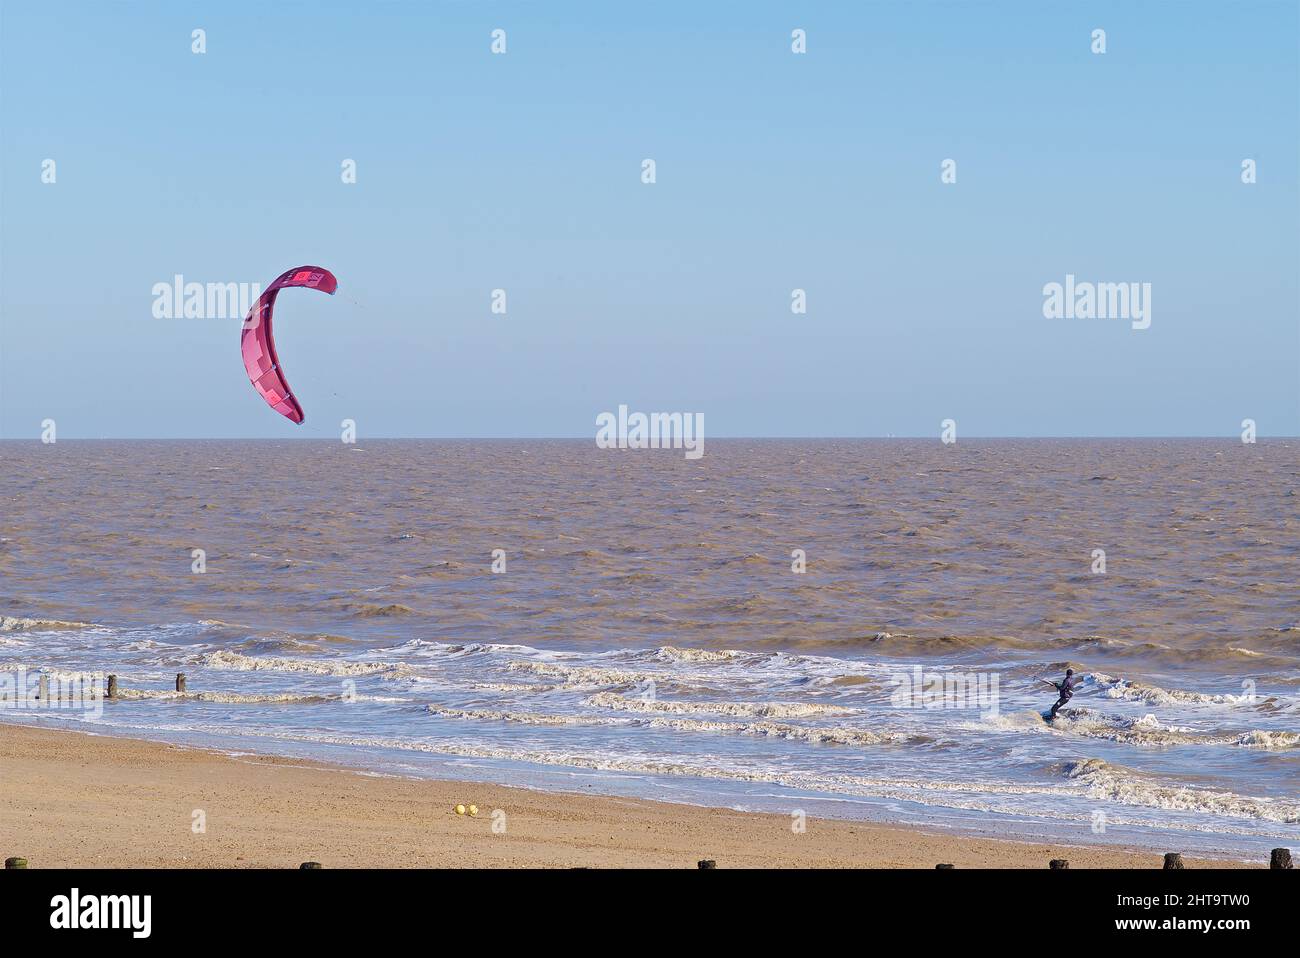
[44,693]
[1056,864]
[15,863]
[1173,860]
[942,866]
[310,866]
[708,863]
[112,686]
[180,681]
[1281,858]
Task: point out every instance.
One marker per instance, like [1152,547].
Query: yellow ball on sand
[473,810]
[460,809]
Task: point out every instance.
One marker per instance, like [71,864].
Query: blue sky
[775,171]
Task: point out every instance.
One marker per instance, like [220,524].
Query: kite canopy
[258,347]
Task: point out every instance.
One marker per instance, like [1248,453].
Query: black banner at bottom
[329,908]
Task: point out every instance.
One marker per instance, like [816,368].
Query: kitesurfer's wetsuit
[1066,689]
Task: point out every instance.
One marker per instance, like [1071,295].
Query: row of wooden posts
[1279,858]
[12,863]
[112,685]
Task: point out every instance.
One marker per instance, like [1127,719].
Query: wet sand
[74,800]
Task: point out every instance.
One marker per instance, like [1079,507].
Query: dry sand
[73,800]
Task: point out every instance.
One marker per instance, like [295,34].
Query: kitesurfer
[1066,690]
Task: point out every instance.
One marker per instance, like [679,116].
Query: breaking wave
[835,736]
[624,703]
[1120,784]
[235,662]
[10,623]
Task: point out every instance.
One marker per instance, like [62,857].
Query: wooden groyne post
[15,863]
[112,686]
[1281,858]
[1173,860]
[180,681]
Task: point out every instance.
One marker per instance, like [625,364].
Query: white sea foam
[1269,740]
[838,735]
[1119,784]
[227,698]
[1147,730]
[1117,688]
[830,735]
[10,623]
[953,793]
[613,700]
[584,676]
[227,661]
[715,714]
[670,654]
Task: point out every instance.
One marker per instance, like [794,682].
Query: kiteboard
[1046,715]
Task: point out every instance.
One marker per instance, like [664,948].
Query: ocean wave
[426,648]
[813,735]
[1215,654]
[1269,740]
[833,735]
[902,643]
[521,718]
[1147,730]
[982,796]
[624,703]
[1142,731]
[227,698]
[749,558]
[1130,690]
[509,688]
[146,645]
[254,634]
[9,623]
[904,790]
[35,671]
[669,653]
[648,666]
[1119,784]
[583,676]
[366,610]
[235,662]
[1117,688]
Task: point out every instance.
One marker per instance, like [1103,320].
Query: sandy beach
[74,800]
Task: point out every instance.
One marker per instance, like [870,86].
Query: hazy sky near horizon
[775,171]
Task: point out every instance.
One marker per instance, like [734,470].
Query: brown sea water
[649,633]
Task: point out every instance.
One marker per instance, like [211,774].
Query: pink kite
[258,347]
